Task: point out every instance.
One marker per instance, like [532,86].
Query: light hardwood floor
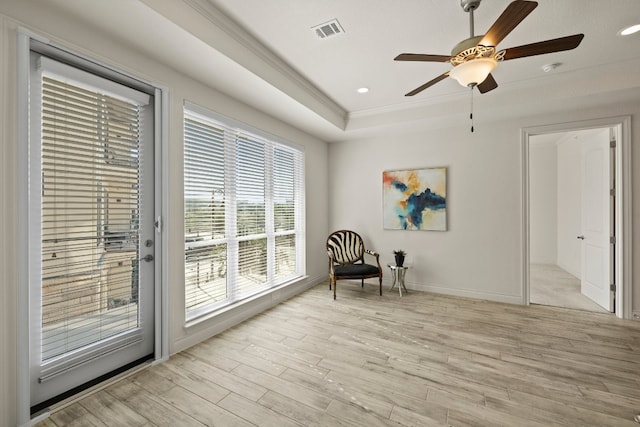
[366,360]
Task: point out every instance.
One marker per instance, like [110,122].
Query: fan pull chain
[471,114]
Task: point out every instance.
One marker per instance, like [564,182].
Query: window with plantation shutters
[243,212]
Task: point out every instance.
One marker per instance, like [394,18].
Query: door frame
[25,38]
[623,204]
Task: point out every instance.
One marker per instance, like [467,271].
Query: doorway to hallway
[575,179]
[567,189]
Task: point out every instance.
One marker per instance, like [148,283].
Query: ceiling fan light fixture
[474,58]
[473,72]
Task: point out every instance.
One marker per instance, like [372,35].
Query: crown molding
[307,93]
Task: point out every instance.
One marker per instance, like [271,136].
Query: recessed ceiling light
[363,90]
[630,30]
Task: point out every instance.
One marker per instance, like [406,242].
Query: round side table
[398,273]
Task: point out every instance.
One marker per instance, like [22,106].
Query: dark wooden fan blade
[427,84]
[488,84]
[421,57]
[547,46]
[510,18]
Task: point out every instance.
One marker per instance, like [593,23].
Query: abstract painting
[415,199]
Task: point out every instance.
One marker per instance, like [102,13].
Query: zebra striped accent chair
[346,252]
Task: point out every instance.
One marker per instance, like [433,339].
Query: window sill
[268,295]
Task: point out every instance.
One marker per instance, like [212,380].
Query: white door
[596,220]
[91,229]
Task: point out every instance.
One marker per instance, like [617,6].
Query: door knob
[581,237]
[147,258]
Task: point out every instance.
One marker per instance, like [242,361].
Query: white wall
[64,30]
[569,206]
[481,255]
[478,254]
[543,175]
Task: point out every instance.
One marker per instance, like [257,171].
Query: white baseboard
[445,290]
[465,293]
[35,420]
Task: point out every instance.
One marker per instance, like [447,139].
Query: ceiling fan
[474,59]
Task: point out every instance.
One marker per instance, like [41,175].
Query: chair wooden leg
[380,286]
[334,290]
[362,284]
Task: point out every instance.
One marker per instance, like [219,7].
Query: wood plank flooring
[366,360]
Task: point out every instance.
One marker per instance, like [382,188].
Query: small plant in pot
[399,254]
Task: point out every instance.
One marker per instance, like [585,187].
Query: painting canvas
[415,199]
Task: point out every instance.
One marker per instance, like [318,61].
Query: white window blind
[284,211]
[205,211]
[89,208]
[244,212]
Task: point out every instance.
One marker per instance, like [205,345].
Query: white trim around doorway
[623,205]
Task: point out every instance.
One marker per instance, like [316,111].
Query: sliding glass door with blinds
[91,198]
[244,212]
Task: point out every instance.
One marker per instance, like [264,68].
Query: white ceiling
[377,30]
[264,53]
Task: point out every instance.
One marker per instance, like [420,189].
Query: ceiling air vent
[328,29]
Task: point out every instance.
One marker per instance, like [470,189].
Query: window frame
[233,132]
